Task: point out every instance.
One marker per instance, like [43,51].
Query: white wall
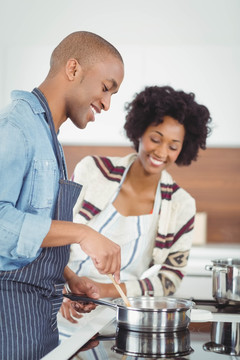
[192,45]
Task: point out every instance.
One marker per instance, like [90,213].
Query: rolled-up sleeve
[33,231]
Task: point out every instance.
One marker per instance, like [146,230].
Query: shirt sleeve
[21,233]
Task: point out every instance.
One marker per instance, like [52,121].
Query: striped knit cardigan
[100,177]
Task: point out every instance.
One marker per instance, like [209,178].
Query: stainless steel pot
[156,314]
[152,345]
[224,338]
[225,280]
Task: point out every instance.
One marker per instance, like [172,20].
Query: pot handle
[208,267]
[106,337]
[75,297]
[216,268]
[219,269]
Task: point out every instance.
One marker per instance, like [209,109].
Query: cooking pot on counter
[156,314]
[225,280]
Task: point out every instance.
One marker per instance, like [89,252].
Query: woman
[135,202]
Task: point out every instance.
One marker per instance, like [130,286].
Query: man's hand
[68,311]
[82,286]
[105,254]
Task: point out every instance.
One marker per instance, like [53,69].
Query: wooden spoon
[118,287]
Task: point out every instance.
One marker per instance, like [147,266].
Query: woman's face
[160,145]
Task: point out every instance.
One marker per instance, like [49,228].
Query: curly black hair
[153,103]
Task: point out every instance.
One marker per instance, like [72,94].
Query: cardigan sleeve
[82,175]
[171,252]
[99,181]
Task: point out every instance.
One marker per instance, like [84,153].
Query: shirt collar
[30,98]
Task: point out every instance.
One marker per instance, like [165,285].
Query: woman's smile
[155,162]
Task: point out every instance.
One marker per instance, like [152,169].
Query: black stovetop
[214,307]
[202,340]
[196,343]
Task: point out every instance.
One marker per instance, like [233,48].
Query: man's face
[91,92]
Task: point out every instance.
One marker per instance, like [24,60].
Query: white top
[135,235]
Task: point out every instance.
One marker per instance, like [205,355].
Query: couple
[35,230]
[134,201]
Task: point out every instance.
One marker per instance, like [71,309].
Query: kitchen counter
[73,336]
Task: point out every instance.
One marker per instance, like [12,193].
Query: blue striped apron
[30,297]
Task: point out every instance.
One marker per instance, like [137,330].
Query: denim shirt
[29,178]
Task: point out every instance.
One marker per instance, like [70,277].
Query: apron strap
[49,119]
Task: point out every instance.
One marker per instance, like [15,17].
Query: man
[85,71]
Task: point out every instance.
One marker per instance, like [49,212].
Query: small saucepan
[156,314]
[225,280]
[224,338]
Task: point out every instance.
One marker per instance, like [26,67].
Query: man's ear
[73,68]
